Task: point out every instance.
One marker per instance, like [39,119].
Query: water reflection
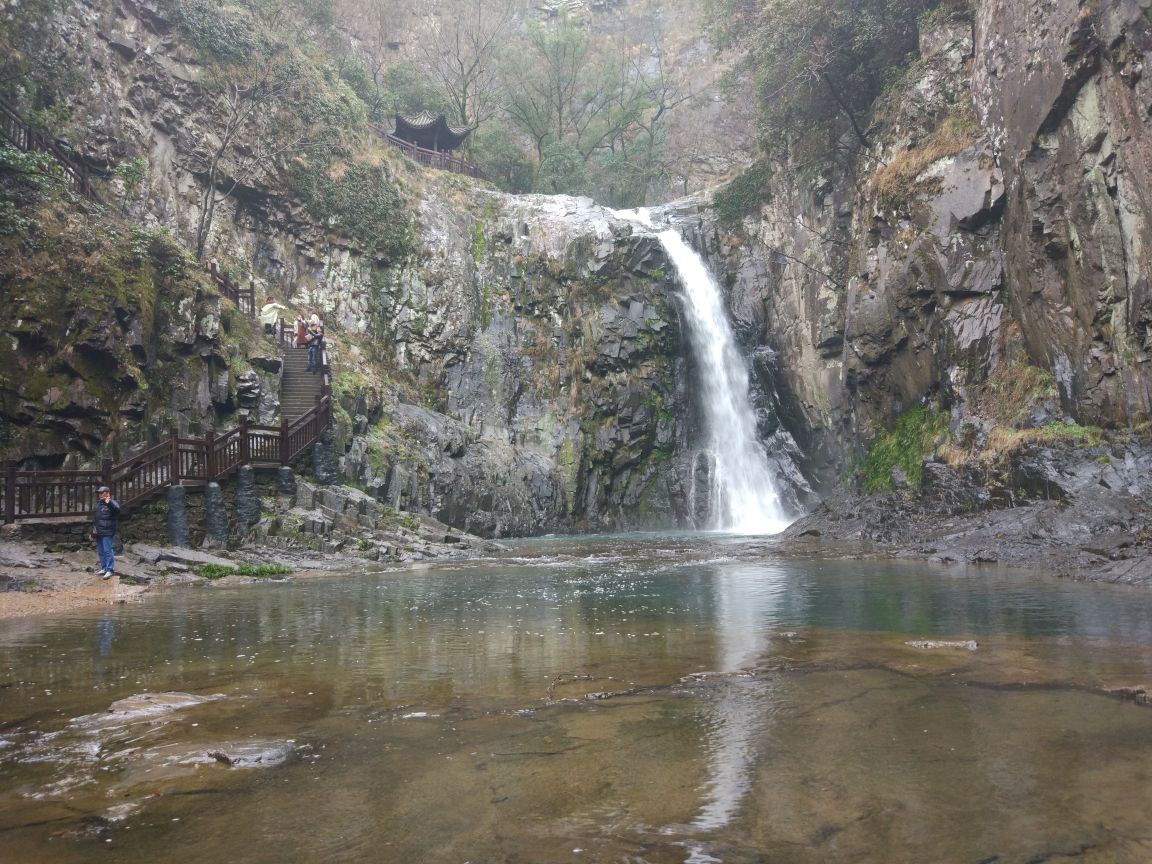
[578,696]
[746,602]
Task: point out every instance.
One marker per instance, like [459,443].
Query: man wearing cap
[104,520]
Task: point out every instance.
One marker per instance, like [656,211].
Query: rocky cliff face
[543,330]
[997,230]
[113,338]
[519,371]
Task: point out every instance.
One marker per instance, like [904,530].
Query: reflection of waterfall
[742,493]
[746,600]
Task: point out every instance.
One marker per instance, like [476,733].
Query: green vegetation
[913,437]
[593,116]
[404,520]
[743,195]
[220,32]
[36,74]
[26,179]
[219,571]
[1006,402]
[359,200]
[1002,441]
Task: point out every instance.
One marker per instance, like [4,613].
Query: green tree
[592,113]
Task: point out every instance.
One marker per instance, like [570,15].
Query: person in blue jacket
[104,520]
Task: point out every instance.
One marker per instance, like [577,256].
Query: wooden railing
[177,460]
[244,298]
[433,158]
[23,137]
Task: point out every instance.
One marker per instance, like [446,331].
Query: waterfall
[743,494]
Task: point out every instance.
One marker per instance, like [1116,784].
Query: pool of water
[630,699]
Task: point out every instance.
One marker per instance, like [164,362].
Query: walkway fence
[433,158]
[23,137]
[177,460]
[244,298]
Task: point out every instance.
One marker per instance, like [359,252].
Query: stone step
[299,387]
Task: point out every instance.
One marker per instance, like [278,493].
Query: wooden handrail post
[209,456]
[106,473]
[10,492]
[174,470]
[245,450]
[283,441]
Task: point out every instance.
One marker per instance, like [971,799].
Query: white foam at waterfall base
[744,494]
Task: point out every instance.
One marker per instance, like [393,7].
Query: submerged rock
[961,645]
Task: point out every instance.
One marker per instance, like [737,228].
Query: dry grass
[896,181]
[1011,391]
[1005,402]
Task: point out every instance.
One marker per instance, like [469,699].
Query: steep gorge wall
[523,369]
[1000,223]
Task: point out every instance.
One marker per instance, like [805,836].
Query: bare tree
[460,42]
[380,27]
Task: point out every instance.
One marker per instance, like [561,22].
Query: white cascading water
[744,493]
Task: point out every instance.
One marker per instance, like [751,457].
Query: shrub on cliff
[359,200]
[912,437]
[742,195]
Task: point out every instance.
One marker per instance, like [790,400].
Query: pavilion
[430,131]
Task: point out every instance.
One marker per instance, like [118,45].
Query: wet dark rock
[267,363]
[286,481]
[325,461]
[1091,532]
[248,389]
[252,754]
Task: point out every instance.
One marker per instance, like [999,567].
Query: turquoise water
[636,699]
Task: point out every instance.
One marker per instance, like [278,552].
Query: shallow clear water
[639,699]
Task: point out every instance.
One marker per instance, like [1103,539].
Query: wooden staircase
[306,412]
[23,137]
[299,390]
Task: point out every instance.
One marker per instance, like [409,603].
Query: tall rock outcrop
[998,226]
[544,331]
